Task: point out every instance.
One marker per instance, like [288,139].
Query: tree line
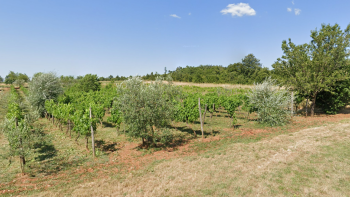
[248,71]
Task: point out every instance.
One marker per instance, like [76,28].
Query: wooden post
[92,138]
[205,112]
[200,116]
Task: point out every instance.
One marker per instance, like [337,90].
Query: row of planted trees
[19,129]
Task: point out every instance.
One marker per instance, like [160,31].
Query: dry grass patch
[312,162]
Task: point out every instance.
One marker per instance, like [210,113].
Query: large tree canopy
[317,66]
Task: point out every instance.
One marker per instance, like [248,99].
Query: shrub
[44,86]
[146,107]
[270,102]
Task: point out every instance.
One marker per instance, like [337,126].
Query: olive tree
[146,106]
[44,86]
[270,102]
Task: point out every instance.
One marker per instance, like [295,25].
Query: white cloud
[289,9]
[174,15]
[239,10]
[297,11]
[293,2]
[189,13]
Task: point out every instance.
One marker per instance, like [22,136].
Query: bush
[44,86]
[146,107]
[270,103]
[332,101]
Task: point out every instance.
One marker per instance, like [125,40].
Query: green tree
[11,77]
[315,67]
[89,82]
[250,64]
[1,79]
[146,106]
[44,86]
[23,77]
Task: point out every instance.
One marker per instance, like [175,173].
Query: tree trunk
[151,143]
[53,120]
[101,123]
[76,139]
[313,105]
[307,101]
[22,161]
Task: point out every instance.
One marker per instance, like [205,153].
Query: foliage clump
[89,83]
[318,66]
[146,107]
[44,86]
[270,102]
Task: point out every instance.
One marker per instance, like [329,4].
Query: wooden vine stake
[200,116]
[92,138]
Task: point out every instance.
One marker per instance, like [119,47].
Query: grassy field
[309,157]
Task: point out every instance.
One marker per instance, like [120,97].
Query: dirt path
[303,163]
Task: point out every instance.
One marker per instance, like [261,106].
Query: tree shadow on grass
[55,165]
[106,146]
[108,124]
[237,126]
[45,151]
[49,162]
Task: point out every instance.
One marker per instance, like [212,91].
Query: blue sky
[130,37]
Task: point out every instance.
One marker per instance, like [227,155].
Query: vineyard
[123,128]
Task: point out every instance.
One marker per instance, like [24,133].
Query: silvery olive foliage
[44,86]
[18,82]
[146,107]
[270,102]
